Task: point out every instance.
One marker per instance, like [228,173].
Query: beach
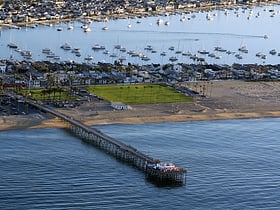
[226,100]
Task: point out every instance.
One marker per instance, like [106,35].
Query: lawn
[139,94]
[53,94]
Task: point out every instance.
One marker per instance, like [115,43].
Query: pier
[159,172]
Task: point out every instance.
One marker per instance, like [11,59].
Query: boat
[46,50]
[65,46]
[118,46]
[171,48]
[87,29]
[113,55]
[173,58]
[159,21]
[123,49]
[243,49]
[238,56]
[105,28]
[76,50]
[203,52]
[149,48]
[89,58]
[98,47]
[70,27]
[56,57]
[12,45]
[145,58]
[273,52]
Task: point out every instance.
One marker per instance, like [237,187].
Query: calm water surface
[231,164]
[238,28]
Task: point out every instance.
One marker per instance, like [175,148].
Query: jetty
[162,173]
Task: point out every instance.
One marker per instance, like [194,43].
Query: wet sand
[224,100]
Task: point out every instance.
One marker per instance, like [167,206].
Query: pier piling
[161,172]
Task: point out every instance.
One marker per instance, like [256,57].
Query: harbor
[191,37]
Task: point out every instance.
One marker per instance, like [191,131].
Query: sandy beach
[224,100]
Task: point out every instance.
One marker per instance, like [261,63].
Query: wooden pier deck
[155,170]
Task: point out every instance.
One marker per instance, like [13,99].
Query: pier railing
[163,173]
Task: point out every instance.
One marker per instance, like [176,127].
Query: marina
[218,36]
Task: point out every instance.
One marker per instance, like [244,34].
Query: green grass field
[42,94]
[139,94]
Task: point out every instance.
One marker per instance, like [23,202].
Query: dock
[160,172]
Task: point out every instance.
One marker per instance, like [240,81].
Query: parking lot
[9,105]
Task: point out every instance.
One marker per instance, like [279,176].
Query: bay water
[255,28]
[231,164]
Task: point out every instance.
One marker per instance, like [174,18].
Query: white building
[2,68]
[119,106]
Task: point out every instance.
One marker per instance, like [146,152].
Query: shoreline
[21,123]
[125,15]
[229,100]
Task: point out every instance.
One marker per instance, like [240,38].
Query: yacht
[98,47]
[12,45]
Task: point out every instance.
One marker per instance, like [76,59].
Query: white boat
[105,28]
[98,47]
[123,49]
[145,58]
[89,58]
[167,23]
[243,49]
[87,29]
[12,45]
[159,21]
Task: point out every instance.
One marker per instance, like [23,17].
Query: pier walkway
[162,173]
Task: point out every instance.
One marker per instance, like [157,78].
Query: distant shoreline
[125,15]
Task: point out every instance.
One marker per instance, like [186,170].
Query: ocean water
[232,164]
[239,28]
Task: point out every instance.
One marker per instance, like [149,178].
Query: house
[2,68]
